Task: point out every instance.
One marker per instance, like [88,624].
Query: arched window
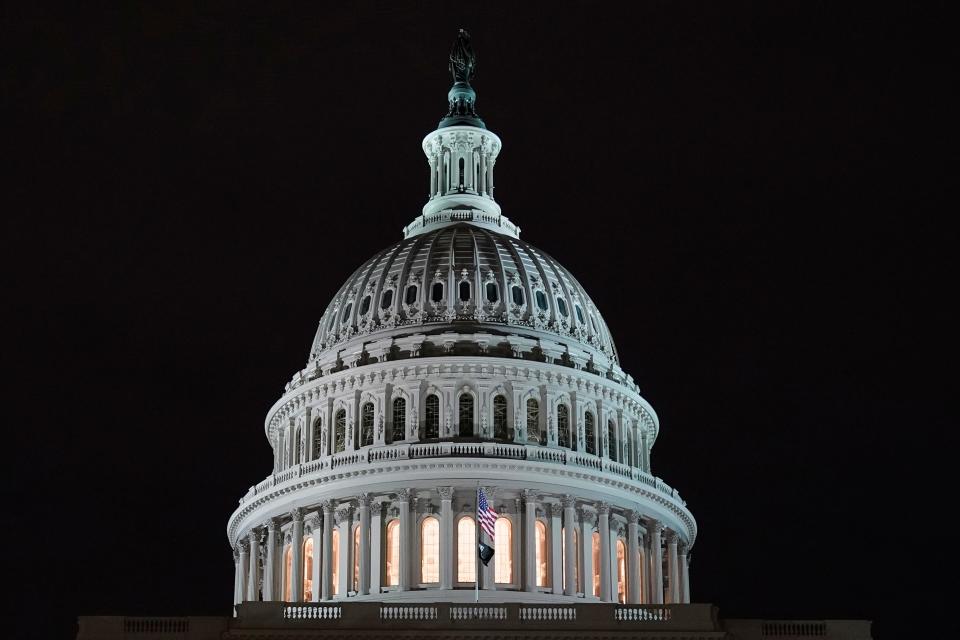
[387,299]
[563,425]
[430,550]
[436,292]
[465,408]
[366,424]
[590,433]
[356,558]
[364,305]
[613,445]
[432,415]
[410,296]
[346,312]
[517,293]
[340,431]
[576,556]
[287,573]
[466,550]
[503,551]
[335,561]
[596,564]
[399,419]
[492,293]
[541,300]
[533,422]
[540,546]
[393,553]
[460,173]
[500,417]
[621,572]
[308,569]
[464,291]
[317,438]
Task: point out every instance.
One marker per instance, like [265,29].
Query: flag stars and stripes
[486,516]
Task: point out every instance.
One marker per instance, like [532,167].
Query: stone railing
[404,451]
[379,615]
[156,625]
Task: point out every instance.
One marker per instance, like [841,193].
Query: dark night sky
[755,197]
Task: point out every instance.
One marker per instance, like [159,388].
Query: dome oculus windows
[436,292]
[541,298]
[517,293]
[364,305]
[410,297]
[387,299]
[493,294]
[464,290]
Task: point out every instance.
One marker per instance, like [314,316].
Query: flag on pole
[487,518]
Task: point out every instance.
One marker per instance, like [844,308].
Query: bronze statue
[463,62]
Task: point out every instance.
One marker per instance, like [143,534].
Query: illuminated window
[612,444]
[399,419]
[366,424]
[596,564]
[493,294]
[576,557]
[393,553]
[430,550]
[517,294]
[356,558]
[308,569]
[340,431]
[590,433]
[533,422]
[317,437]
[436,293]
[335,561]
[432,414]
[287,573]
[465,408]
[621,572]
[541,298]
[500,417]
[387,299]
[563,425]
[410,296]
[466,550]
[364,305]
[464,291]
[503,551]
[540,546]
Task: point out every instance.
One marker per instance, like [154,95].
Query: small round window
[387,299]
[541,300]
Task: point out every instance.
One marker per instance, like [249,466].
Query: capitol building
[460,360]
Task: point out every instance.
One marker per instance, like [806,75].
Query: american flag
[486,516]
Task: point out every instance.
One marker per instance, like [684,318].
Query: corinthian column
[603,513]
[672,565]
[570,553]
[316,575]
[685,576]
[237,578]
[556,557]
[270,565]
[253,582]
[344,516]
[529,554]
[364,582]
[326,586]
[588,520]
[296,544]
[633,558]
[403,507]
[243,564]
[656,562]
[446,537]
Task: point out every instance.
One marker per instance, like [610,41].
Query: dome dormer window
[517,293]
[436,293]
[493,294]
[432,417]
[387,299]
[411,296]
[346,312]
[590,433]
[365,305]
[580,317]
[464,291]
[541,298]
[562,307]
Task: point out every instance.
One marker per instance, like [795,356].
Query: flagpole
[476,548]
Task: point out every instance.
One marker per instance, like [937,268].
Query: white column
[529,552]
[244,563]
[673,566]
[644,573]
[344,517]
[433,175]
[270,564]
[326,586]
[603,512]
[446,537]
[556,557]
[296,544]
[633,557]
[376,546]
[570,556]
[685,576]
[588,519]
[316,576]
[403,506]
[253,582]
[364,581]
[656,563]
[237,578]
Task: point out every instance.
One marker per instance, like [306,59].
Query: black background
[755,197]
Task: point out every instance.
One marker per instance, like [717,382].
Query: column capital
[633,517]
[273,526]
[236,555]
[313,521]
[343,514]
[446,493]
[603,509]
[254,535]
[327,506]
[529,495]
[403,495]
[244,545]
[297,514]
[670,536]
[569,501]
[556,509]
[654,527]
[587,516]
[364,499]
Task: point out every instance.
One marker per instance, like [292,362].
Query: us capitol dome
[459,359]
